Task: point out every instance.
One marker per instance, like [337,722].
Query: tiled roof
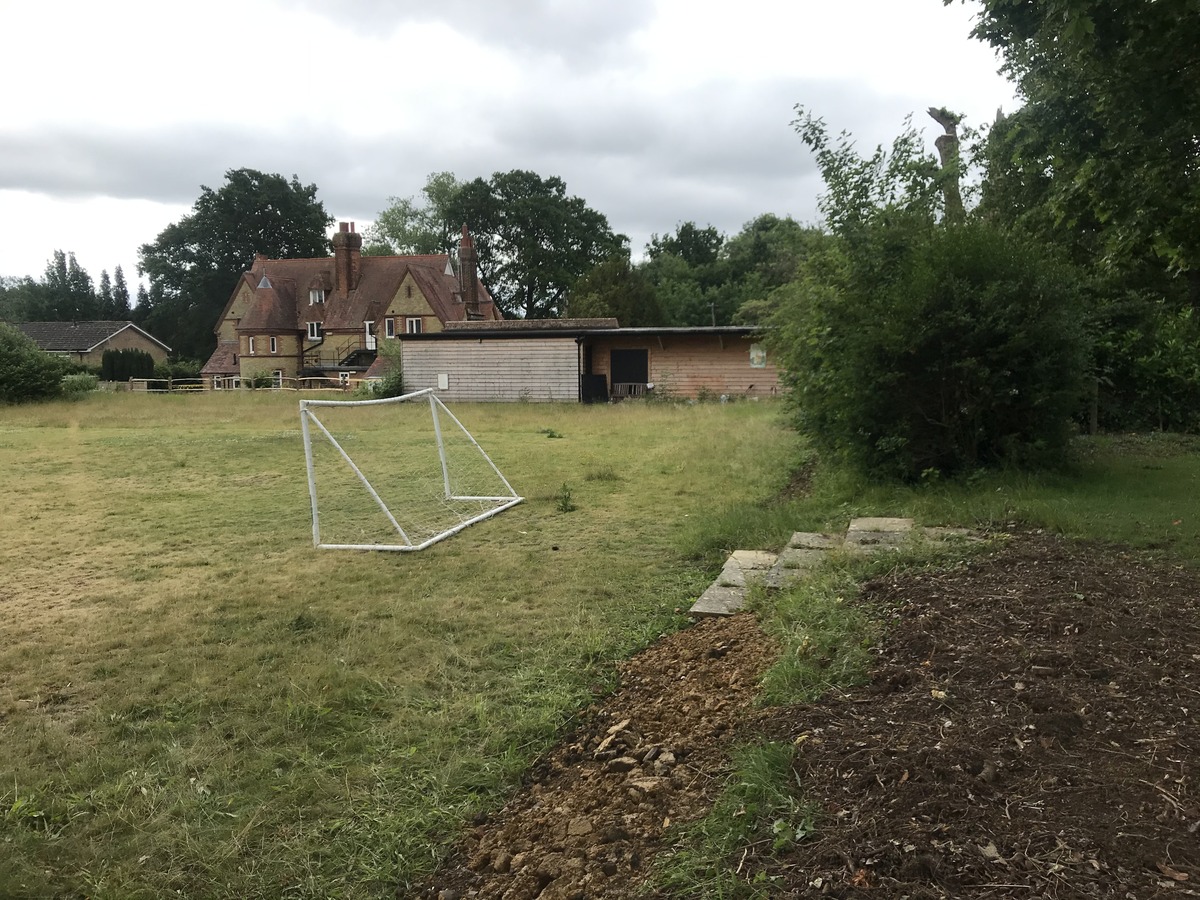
[285,307]
[223,361]
[534,325]
[78,337]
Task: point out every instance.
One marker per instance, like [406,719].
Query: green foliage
[533,240]
[77,384]
[759,805]
[1109,121]
[617,289]
[178,368]
[406,226]
[121,365]
[563,500]
[193,265]
[26,373]
[392,384]
[917,349]
[934,349]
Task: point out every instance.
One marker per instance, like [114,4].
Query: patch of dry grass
[194,699]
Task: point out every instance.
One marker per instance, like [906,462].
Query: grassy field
[193,699]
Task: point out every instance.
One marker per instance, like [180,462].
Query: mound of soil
[1029,730]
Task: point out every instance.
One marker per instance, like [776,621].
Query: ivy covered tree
[193,264]
[919,347]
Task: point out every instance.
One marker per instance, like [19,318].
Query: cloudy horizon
[654,113]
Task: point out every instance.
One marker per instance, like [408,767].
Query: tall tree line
[65,293]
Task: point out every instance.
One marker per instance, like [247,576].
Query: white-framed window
[412,325]
[316,295]
[344,378]
[274,344]
[233,381]
[278,373]
[389,327]
[218,383]
[251,346]
[314,331]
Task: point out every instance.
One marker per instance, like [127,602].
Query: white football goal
[395,474]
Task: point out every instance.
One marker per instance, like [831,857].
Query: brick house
[323,318]
[85,342]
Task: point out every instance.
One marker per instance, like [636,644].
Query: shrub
[925,350]
[76,385]
[26,373]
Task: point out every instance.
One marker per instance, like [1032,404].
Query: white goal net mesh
[395,474]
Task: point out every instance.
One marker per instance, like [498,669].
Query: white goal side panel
[395,474]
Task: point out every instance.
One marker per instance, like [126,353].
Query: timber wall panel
[533,369]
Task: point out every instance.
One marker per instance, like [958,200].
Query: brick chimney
[347,257]
[468,274]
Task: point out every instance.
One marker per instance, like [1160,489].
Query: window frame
[411,321]
[315,331]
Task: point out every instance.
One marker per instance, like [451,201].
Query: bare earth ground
[1029,730]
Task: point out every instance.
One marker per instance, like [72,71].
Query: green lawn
[193,699]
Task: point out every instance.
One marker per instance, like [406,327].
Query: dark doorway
[629,367]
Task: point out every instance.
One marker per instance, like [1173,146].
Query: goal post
[399,473]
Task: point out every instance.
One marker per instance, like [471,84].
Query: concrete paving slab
[719,601]
[810,540]
[876,541]
[753,559]
[799,559]
[732,575]
[879,524]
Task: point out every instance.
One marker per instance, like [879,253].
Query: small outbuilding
[588,360]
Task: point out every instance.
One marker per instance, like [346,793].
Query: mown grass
[193,700]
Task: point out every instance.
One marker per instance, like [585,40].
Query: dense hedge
[917,351]
[121,365]
[26,373]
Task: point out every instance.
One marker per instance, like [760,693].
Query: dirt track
[1029,730]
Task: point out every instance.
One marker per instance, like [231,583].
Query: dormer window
[314,331]
[316,295]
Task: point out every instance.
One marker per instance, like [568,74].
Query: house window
[412,325]
[389,327]
[314,331]
[344,379]
[217,384]
[316,295]
[278,373]
[274,345]
[251,346]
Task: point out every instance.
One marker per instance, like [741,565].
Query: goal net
[395,474]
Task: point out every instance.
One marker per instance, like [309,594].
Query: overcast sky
[655,112]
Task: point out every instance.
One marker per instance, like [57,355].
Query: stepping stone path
[805,551]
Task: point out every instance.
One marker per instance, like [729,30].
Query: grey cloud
[571,31]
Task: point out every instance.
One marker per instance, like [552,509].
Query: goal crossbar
[495,503]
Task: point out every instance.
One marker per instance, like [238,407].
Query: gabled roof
[79,337]
[284,304]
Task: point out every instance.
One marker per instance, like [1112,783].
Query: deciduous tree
[193,265]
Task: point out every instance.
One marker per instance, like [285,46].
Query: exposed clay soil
[1029,730]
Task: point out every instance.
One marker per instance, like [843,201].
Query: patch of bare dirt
[1029,730]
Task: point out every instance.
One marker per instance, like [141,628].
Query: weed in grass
[564,501]
[550,433]
[760,804]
